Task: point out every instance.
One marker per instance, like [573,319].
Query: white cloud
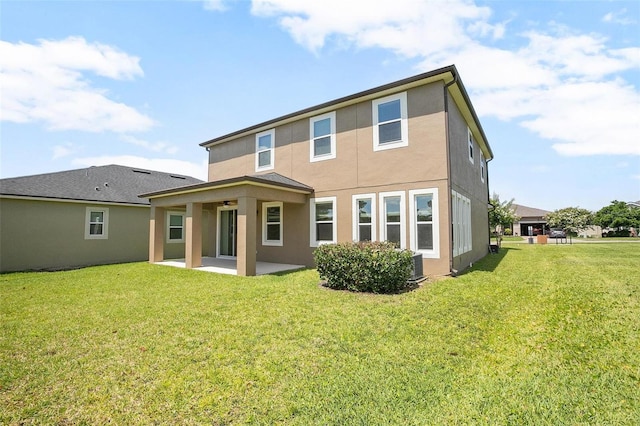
[561,84]
[65,150]
[215,5]
[618,18]
[151,146]
[47,82]
[167,165]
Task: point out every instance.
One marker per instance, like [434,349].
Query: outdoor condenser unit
[417,274]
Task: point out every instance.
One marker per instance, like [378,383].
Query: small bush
[374,267]
[508,231]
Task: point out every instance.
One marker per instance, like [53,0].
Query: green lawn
[534,335]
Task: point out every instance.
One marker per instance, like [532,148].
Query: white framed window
[272,223]
[265,144]
[364,217]
[461,218]
[175,227]
[392,218]
[96,224]
[324,227]
[424,234]
[322,137]
[470,139]
[483,169]
[390,125]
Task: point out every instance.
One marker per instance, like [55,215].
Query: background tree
[618,215]
[501,214]
[571,219]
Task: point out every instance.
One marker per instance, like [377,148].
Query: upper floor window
[175,227]
[96,223]
[364,217]
[390,127]
[265,143]
[322,134]
[272,224]
[392,221]
[483,169]
[470,138]
[323,221]
[424,232]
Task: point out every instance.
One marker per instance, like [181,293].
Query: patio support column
[247,229]
[156,234]
[193,236]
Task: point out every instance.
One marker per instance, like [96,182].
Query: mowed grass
[534,335]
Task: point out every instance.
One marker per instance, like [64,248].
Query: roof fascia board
[445,74]
[69,200]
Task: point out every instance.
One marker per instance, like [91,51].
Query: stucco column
[156,234]
[246,251]
[193,237]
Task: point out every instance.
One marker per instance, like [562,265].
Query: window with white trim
[265,143]
[96,223]
[390,126]
[323,221]
[470,139]
[272,223]
[482,167]
[461,215]
[424,234]
[364,217]
[175,227]
[392,218]
[322,137]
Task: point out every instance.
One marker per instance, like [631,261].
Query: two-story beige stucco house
[404,162]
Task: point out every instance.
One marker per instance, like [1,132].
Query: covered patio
[229,266]
[236,240]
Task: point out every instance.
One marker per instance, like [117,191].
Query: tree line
[619,217]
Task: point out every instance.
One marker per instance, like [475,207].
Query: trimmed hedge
[374,267]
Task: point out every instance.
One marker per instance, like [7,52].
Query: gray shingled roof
[524,211]
[113,183]
[268,178]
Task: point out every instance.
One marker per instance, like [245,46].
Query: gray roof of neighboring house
[524,211]
[274,179]
[112,184]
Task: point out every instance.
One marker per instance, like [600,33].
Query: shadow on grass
[491,261]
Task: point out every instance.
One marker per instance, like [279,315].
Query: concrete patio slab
[228,266]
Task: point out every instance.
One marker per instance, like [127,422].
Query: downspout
[450,212]
[486,170]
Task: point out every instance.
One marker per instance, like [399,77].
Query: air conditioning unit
[417,274]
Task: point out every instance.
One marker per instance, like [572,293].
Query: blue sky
[142,83]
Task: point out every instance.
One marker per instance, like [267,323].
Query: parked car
[557,233]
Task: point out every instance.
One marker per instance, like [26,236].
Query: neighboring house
[634,204]
[532,221]
[81,217]
[404,162]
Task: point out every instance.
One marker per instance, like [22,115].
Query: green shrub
[508,231]
[374,267]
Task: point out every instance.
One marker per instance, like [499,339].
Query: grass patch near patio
[533,335]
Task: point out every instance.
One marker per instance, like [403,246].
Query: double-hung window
[390,127]
[96,223]
[483,167]
[461,218]
[265,143]
[424,233]
[392,218]
[272,224]
[470,139]
[322,134]
[175,227]
[364,217]
[323,221]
